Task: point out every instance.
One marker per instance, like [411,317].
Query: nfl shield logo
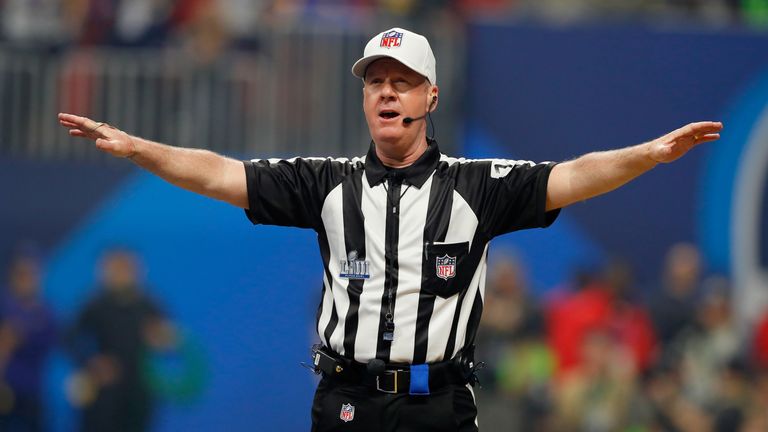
[391,39]
[347,413]
[446,267]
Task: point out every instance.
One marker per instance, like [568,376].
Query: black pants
[119,408]
[449,409]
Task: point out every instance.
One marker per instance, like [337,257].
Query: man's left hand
[675,144]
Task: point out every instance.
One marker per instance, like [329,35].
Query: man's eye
[401,85]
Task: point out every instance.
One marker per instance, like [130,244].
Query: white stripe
[410,249]
[476,287]
[325,314]
[333,220]
[461,228]
[352,161]
[374,204]
[452,160]
[440,327]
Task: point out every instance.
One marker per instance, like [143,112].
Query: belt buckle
[378,384]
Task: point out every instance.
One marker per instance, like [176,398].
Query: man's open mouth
[389,114]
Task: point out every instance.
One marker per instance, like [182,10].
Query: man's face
[119,271]
[25,278]
[391,93]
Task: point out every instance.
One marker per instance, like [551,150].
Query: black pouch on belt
[328,364]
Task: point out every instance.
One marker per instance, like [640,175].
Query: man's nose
[387,91]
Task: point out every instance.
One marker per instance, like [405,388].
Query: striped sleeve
[290,192]
[508,195]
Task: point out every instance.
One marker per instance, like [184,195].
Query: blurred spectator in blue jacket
[27,334]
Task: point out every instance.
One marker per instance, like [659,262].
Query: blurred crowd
[598,353]
[602,354]
[116,343]
[236,23]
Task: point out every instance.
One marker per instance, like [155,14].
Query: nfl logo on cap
[391,39]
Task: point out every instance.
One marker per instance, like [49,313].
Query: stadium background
[516,82]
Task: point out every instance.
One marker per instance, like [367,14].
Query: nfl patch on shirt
[353,268]
[347,413]
[445,267]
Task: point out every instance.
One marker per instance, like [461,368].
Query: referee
[403,233]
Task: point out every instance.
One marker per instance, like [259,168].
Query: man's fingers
[707,138]
[105,145]
[102,144]
[83,123]
[77,133]
[71,118]
[708,129]
[702,128]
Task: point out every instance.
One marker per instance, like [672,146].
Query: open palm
[107,138]
[675,144]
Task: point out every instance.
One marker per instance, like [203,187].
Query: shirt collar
[415,174]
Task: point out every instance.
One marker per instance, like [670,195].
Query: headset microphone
[409,120]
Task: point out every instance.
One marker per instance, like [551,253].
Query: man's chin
[392,138]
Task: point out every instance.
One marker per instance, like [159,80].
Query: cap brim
[358,69]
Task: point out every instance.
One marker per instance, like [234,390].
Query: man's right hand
[107,138]
[200,171]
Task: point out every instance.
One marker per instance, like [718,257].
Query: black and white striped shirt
[404,250]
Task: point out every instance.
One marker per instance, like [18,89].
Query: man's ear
[433,102]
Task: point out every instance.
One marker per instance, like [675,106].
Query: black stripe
[435,229]
[391,267]
[354,240]
[320,308]
[476,253]
[474,316]
[325,254]
[474,319]
[328,332]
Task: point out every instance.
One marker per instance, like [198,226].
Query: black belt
[389,378]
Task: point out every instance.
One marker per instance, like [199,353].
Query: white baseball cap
[407,47]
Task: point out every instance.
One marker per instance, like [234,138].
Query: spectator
[142,22]
[520,364]
[760,343]
[571,313]
[710,345]
[108,341]
[94,20]
[598,394]
[602,302]
[672,411]
[733,397]
[27,334]
[673,308]
[33,24]
[629,322]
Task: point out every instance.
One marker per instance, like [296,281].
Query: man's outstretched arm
[200,171]
[600,172]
